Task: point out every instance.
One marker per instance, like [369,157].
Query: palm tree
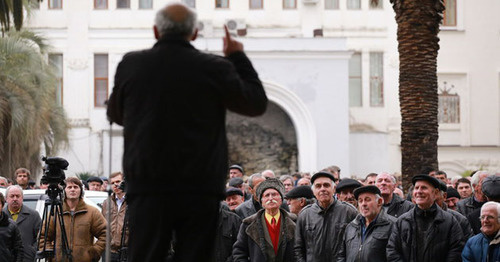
[418,45]
[13,10]
[29,115]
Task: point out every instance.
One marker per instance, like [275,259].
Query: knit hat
[451,192]
[270,183]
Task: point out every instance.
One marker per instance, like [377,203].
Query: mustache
[271,201]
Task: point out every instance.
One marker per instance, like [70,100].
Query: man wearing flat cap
[452,198]
[490,188]
[95,183]
[320,226]
[228,226]
[366,237]
[345,190]
[234,198]
[237,182]
[267,235]
[426,233]
[298,198]
[235,171]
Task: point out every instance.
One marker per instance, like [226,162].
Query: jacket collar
[173,39]
[255,228]
[381,220]
[80,207]
[321,210]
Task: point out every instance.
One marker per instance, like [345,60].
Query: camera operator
[118,207]
[82,223]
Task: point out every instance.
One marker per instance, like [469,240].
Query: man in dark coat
[11,245]
[172,100]
[393,204]
[268,235]
[426,233]
[27,220]
[227,232]
[320,226]
[470,204]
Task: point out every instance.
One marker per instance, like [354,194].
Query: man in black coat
[426,233]
[172,100]
[393,204]
[27,220]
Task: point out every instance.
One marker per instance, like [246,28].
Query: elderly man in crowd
[490,188]
[461,219]
[227,232]
[235,171]
[468,205]
[4,182]
[95,183]
[366,237]
[82,223]
[298,198]
[287,181]
[345,190]
[463,187]
[426,233]
[27,220]
[237,182]
[452,198]
[252,205]
[234,198]
[267,235]
[370,179]
[304,182]
[485,246]
[320,226]
[393,204]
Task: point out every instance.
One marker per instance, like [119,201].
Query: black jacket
[11,245]
[373,247]
[28,221]
[172,100]
[319,232]
[227,232]
[398,206]
[468,205]
[254,243]
[444,241]
[463,222]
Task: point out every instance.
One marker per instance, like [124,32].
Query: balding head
[175,19]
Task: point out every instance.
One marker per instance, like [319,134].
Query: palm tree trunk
[418,44]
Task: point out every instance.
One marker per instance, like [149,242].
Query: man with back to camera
[171,100]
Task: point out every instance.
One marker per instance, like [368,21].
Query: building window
[377,79]
[55,4]
[100,80]
[256,4]
[123,4]
[355,83]
[221,3]
[331,4]
[450,13]
[56,61]
[449,106]
[353,4]
[190,3]
[100,4]
[289,4]
[145,4]
[378,5]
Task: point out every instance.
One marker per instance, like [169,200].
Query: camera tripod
[51,219]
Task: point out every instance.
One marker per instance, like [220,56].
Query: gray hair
[167,26]
[252,177]
[495,204]
[4,179]
[13,186]
[477,176]
[285,177]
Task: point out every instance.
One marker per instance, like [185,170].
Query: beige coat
[81,228]
[116,224]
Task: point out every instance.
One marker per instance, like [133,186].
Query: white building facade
[331,65]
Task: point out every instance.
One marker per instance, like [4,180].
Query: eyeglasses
[486,217]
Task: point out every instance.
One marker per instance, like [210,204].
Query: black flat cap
[233,191]
[491,187]
[235,181]
[236,167]
[442,185]
[322,174]
[347,183]
[94,179]
[366,189]
[451,192]
[300,191]
[434,182]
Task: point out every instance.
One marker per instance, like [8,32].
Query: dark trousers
[153,219]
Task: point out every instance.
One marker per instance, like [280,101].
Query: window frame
[123,8]
[360,77]
[379,78]
[106,78]
[289,8]
[53,8]
[60,79]
[336,8]
[106,8]
[256,8]
[226,7]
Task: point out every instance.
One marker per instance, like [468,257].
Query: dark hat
[322,174]
[451,192]
[366,189]
[434,182]
[104,178]
[491,187]
[270,183]
[300,191]
[236,167]
[94,179]
[233,191]
[347,183]
[235,181]
[442,185]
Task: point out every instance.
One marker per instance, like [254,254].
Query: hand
[230,45]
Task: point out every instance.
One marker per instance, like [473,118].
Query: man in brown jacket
[82,224]
[116,217]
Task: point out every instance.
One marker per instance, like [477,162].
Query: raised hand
[230,45]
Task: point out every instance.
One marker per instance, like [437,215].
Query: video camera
[53,172]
